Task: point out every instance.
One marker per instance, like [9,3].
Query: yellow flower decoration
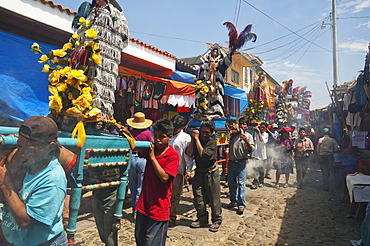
[55,60]
[67,46]
[61,87]
[75,36]
[54,77]
[35,46]
[91,33]
[53,90]
[55,103]
[96,59]
[77,74]
[204,90]
[81,21]
[43,59]
[60,53]
[46,68]
[204,105]
[65,70]
[93,112]
[199,84]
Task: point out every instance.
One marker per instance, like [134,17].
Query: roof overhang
[140,56]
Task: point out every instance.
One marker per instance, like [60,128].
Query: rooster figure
[237,41]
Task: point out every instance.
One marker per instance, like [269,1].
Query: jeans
[301,163]
[135,177]
[236,178]
[59,240]
[104,206]
[150,232]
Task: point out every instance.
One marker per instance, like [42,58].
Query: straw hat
[139,121]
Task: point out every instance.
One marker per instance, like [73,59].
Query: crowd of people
[156,176]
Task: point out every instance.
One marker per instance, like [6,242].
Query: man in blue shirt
[33,215]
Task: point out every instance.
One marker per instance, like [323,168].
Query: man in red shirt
[153,206]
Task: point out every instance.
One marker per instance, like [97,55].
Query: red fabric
[183,109]
[154,201]
[179,88]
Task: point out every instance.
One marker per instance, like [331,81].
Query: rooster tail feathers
[245,36]
[233,34]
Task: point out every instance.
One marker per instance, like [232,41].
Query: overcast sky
[290,41]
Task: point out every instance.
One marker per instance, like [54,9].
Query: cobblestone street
[285,216]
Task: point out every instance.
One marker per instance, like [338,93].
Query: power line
[284,45]
[360,17]
[283,25]
[237,12]
[315,23]
[310,44]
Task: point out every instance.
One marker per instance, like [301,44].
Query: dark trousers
[326,163]
[177,187]
[260,172]
[104,206]
[207,190]
[150,232]
[301,163]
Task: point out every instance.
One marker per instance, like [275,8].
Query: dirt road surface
[284,216]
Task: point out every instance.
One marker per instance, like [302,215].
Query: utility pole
[335,54]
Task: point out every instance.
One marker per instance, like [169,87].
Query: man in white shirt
[260,137]
[179,142]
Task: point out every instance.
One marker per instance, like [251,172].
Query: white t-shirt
[260,151]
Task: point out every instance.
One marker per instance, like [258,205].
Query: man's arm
[162,175]
[16,206]
[249,142]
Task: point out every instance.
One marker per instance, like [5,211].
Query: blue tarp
[183,77]
[24,89]
[229,91]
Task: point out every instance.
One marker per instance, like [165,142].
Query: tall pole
[335,55]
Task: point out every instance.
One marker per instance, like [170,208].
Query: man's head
[274,127]
[38,137]
[243,124]
[162,133]
[99,125]
[207,129]
[302,133]
[179,123]
[293,127]
[326,131]
[263,127]
[231,124]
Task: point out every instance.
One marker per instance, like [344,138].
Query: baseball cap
[274,125]
[40,129]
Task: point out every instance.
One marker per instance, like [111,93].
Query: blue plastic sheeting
[238,94]
[228,90]
[18,101]
[24,89]
[219,123]
[183,77]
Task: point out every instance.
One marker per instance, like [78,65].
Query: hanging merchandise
[148,90]
[158,90]
[131,89]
